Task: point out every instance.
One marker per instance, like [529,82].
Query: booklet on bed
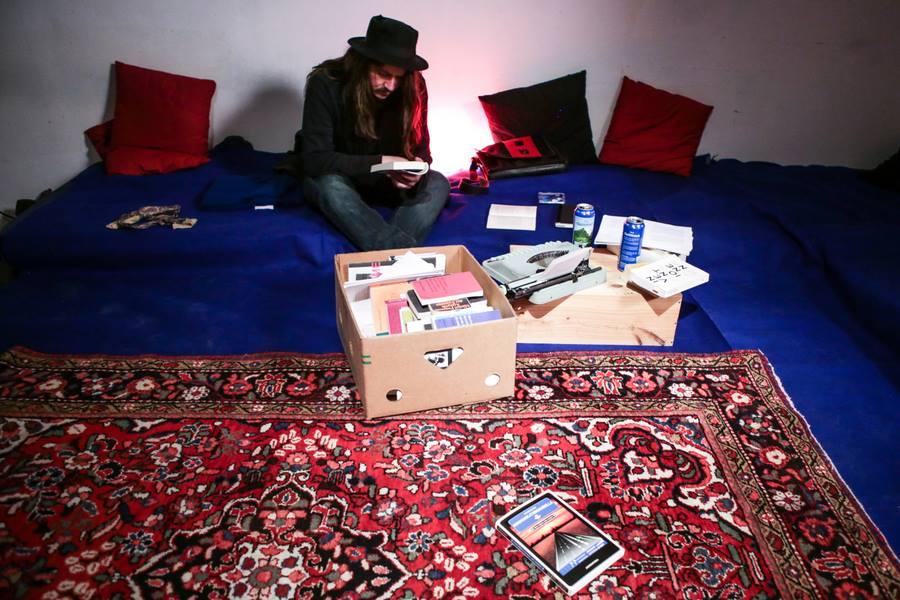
[512,216]
[565,545]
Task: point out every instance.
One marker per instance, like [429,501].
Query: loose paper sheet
[511,216]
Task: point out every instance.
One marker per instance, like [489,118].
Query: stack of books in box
[410,297]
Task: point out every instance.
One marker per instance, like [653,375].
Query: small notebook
[512,216]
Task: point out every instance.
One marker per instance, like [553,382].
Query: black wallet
[528,155]
[565,216]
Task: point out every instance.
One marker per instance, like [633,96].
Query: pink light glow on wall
[456,134]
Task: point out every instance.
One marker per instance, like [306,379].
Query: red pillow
[654,129]
[161,111]
[128,160]
[100,137]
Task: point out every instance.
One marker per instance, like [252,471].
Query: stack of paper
[660,236]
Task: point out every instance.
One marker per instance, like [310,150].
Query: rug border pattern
[853,519]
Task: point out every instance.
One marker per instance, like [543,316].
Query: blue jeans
[341,201]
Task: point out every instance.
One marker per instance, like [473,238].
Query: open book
[417,167]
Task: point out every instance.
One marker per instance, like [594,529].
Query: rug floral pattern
[258,477]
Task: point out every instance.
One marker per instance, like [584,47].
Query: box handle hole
[443,358]
[492,380]
[394,395]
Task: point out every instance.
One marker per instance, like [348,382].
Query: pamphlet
[447,287]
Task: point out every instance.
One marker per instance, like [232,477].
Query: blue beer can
[583,224]
[632,236]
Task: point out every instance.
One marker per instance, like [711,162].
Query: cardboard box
[391,372]
[615,313]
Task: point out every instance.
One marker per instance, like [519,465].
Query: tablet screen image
[563,543]
[556,535]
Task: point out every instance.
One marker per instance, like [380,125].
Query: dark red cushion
[128,160]
[555,110]
[653,129]
[161,111]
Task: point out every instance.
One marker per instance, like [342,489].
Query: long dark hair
[353,69]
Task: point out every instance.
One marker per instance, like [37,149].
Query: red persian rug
[257,476]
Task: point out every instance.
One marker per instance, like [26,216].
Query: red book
[395,322]
[447,287]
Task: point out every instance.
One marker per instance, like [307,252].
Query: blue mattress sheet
[802,264]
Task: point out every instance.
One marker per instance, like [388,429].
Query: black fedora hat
[390,42]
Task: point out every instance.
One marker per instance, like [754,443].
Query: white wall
[808,81]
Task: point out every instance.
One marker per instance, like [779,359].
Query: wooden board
[610,314]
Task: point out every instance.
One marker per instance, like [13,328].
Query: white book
[667,276]
[417,167]
[512,216]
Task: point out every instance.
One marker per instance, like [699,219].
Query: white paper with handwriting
[667,276]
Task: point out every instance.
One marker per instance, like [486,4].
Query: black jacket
[329,144]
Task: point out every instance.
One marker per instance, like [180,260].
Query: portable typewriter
[545,272]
